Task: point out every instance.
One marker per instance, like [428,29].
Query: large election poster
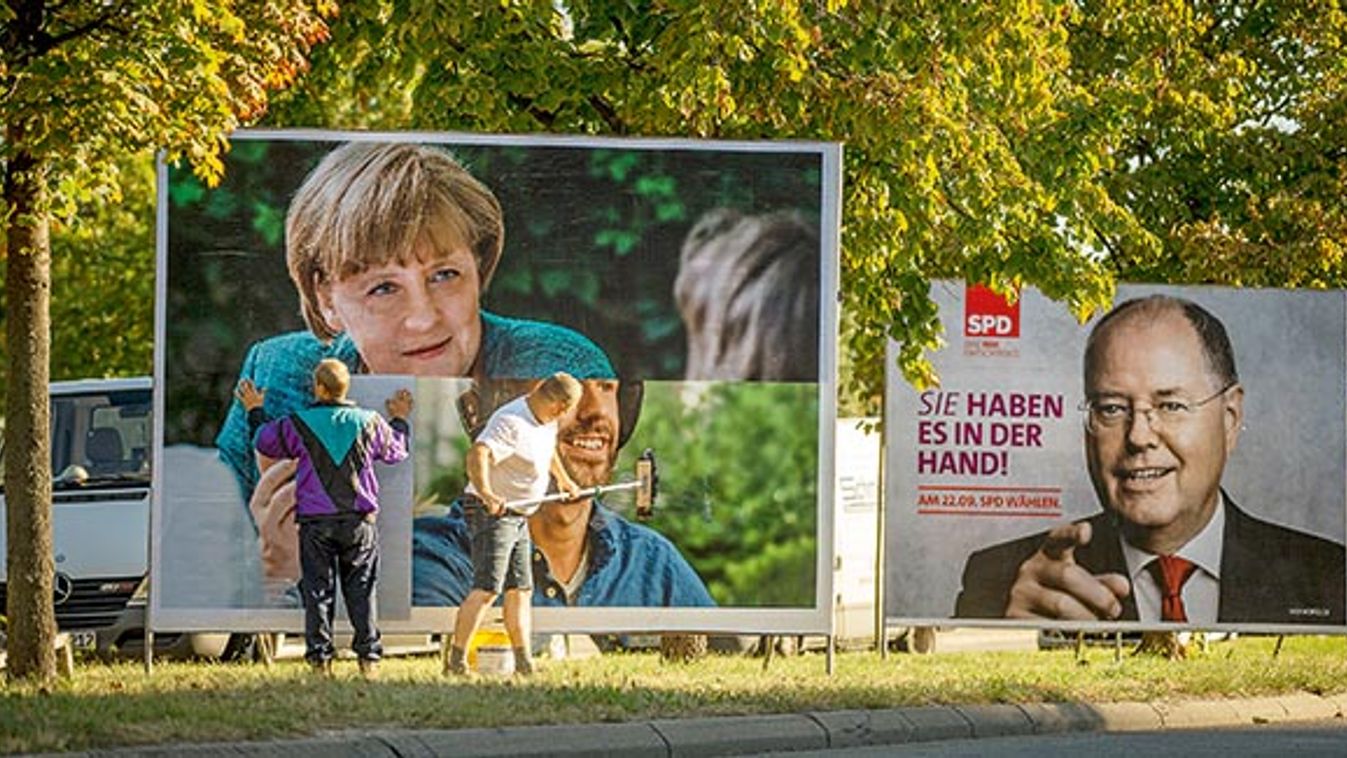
[687,284]
[1180,463]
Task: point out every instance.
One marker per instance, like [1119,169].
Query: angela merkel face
[420,318]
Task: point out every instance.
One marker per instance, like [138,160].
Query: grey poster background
[1290,466]
[208,555]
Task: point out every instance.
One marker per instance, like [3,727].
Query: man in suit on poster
[1163,412]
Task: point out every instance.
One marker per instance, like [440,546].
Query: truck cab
[101,446]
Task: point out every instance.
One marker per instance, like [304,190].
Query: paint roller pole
[646,486]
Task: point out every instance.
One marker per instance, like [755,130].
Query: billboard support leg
[266,648]
[832,655]
[1276,651]
[65,652]
[769,641]
[1117,647]
[881,628]
[149,650]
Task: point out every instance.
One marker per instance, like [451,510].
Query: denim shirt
[630,565]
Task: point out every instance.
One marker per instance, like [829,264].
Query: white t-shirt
[521,451]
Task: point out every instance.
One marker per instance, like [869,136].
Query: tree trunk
[682,648]
[1162,644]
[32,619]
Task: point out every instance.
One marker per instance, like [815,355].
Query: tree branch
[1275,109]
[1113,252]
[608,114]
[27,37]
[546,118]
[948,197]
[103,21]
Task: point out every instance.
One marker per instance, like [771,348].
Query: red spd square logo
[988,315]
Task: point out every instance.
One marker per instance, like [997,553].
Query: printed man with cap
[584,553]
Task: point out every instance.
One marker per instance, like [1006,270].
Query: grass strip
[111,705]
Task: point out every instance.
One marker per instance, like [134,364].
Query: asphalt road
[1315,738]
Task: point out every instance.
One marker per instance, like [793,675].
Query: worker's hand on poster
[399,405]
[249,394]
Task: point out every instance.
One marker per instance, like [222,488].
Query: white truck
[101,451]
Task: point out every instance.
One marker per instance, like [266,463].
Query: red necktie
[1173,571]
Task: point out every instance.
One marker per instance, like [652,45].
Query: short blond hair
[560,387]
[371,203]
[332,377]
[748,293]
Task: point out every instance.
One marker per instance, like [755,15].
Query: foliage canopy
[1062,145]
[1057,144]
[95,88]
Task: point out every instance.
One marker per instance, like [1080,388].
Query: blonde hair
[748,292]
[332,378]
[560,387]
[369,204]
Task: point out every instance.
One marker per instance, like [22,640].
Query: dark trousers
[345,549]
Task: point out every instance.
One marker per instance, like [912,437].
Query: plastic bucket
[490,653]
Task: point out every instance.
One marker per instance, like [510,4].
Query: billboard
[688,284]
[1184,465]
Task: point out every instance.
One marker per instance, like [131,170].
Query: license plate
[84,639]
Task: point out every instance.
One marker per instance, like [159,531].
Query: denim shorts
[501,550]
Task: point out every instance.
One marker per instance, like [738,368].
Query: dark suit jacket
[1269,574]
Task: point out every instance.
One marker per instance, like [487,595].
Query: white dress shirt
[1202,592]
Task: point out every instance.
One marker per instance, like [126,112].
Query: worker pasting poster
[1177,461]
[688,287]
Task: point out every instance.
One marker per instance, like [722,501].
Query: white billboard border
[891,379]
[816,620]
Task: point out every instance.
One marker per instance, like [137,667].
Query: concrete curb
[670,738]
[1197,713]
[634,739]
[1340,701]
[1128,717]
[740,734]
[1310,707]
[1059,718]
[996,720]
[862,728]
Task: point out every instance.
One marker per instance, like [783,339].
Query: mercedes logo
[64,587]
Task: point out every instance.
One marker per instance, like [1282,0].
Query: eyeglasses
[1102,416]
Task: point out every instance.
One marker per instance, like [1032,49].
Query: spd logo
[987,314]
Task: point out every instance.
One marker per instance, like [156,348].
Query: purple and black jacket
[335,446]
